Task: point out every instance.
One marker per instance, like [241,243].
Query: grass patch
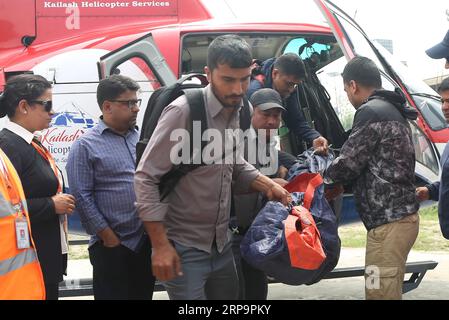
[352,235]
[78,251]
[429,237]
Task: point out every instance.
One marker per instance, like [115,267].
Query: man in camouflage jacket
[379,160]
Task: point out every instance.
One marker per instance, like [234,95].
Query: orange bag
[301,233]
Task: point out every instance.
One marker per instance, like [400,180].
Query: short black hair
[291,64]
[23,86]
[363,71]
[444,86]
[112,87]
[229,49]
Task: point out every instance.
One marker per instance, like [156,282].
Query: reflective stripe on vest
[6,208]
[17,262]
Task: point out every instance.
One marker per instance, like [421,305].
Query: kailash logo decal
[69,123]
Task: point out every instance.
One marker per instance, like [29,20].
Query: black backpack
[160,99]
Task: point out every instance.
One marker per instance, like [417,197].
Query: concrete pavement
[435,284]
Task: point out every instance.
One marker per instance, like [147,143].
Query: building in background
[435,82]
[387,44]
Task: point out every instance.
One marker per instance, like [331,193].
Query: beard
[226,100]
[232,106]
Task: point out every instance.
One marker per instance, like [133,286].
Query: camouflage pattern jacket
[379,159]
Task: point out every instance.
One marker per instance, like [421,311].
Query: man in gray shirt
[189,230]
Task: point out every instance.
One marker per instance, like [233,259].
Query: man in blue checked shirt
[100,169]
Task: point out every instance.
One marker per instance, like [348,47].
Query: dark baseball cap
[440,50]
[266,99]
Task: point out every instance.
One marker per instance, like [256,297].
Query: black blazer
[39,184]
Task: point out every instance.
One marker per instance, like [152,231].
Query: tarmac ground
[435,285]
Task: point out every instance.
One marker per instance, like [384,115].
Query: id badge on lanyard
[21,223]
[22,233]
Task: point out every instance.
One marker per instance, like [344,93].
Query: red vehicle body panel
[48,20]
[101,29]
[167,38]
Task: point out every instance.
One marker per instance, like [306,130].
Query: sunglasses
[47,104]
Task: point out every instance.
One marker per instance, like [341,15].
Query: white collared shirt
[20,131]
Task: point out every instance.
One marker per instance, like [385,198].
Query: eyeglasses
[129,103]
[47,104]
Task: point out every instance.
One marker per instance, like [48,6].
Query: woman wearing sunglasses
[27,101]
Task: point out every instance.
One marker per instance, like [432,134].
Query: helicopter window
[264,46]
[423,150]
[138,70]
[316,52]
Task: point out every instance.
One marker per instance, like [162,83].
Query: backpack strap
[169,180]
[195,98]
[245,115]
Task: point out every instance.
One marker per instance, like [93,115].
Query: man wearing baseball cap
[268,110]
[441,50]
[285,74]
[265,120]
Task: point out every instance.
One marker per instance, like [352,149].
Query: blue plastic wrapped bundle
[265,246]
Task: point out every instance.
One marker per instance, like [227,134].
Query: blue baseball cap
[440,50]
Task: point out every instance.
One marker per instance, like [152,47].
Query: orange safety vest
[20,272]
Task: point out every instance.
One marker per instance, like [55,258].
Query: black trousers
[51,291]
[253,283]
[122,274]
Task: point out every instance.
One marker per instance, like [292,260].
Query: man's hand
[272,190]
[280,181]
[64,203]
[278,193]
[166,263]
[422,193]
[320,146]
[110,239]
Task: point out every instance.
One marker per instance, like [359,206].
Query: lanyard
[10,189]
[49,158]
